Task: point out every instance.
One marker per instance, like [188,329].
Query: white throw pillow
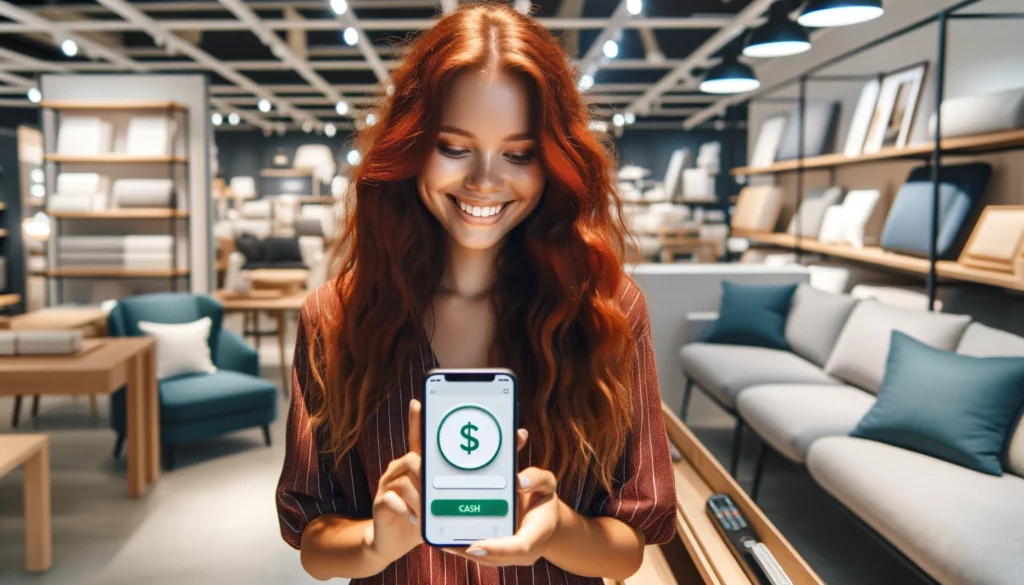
[857,209]
[181,348]
[832,225]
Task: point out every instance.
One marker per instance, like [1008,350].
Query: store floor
[212,520]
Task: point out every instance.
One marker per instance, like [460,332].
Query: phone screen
[469,446]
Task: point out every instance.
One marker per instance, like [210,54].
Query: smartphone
[469,455]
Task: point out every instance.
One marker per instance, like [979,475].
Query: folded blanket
[143,192]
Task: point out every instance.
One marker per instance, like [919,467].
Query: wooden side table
[102,367]
[32,452]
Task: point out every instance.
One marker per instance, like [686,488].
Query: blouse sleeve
[309,485]
[643,491]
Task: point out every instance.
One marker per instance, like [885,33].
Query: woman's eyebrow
[468,134]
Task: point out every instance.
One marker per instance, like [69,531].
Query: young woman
[480,235]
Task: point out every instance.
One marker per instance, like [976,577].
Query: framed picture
[768,139]
[894,113]
[997,241]
[862,116]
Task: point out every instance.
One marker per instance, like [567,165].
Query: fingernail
[523,482]
[414,519]
[477,552]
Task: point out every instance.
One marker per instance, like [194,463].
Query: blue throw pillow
[753,314]
[953,407]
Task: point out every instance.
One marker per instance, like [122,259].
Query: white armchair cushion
[181,348]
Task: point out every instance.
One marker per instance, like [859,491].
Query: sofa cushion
[954,407]
[815,321]
[196,397]
[959,525]
[982,341]
[792,416]
[860,353]
[753,314]
[725,370]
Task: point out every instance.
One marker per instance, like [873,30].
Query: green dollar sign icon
[471,442]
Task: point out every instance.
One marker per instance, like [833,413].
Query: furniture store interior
[821,203]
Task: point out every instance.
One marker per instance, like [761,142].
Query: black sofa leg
[118,445]
[762,456]
[687,393]
[168,457]
[737,444]
[266,434]
[16,415]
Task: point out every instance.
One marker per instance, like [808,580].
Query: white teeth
[479,211]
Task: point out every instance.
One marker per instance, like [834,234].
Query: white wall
[190,90]
[983,56]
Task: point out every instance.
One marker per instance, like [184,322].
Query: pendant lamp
[730,76]
[778,37]
[826,13]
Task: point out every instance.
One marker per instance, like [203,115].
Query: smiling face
[483,177]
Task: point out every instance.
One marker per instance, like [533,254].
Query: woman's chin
[477,241]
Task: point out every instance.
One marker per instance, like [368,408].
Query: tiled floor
[212,520]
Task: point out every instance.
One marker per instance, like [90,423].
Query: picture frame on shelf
[768,140]
[862,117]
[893,117]
[997,241]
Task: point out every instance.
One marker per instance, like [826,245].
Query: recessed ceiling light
[217,118]
[351,36]
[69,47]
[341,107]
[234,119]
[264,105]
[34,95]
[610,49]
[339,6]
[825,13]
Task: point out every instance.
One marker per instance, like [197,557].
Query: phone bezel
[424,435]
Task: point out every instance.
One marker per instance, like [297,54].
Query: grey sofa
[957,525]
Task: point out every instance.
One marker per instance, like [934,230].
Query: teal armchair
[195,407]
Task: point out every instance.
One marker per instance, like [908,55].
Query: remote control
[755,558]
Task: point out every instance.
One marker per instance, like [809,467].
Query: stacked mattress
[133,252]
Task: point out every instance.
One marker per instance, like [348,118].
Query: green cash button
[469,507]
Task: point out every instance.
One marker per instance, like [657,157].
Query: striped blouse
[643,493]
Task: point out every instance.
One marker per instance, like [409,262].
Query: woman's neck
[469,273]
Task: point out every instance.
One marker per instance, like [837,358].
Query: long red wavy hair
[560,327]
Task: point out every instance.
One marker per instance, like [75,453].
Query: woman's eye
[451,152]
[520,158]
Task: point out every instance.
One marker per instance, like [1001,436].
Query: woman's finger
[535,479]
[410,493]
[415,425]
[521,437]
[395,504]
[408,463]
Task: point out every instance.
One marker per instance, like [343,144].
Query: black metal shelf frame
[942,19]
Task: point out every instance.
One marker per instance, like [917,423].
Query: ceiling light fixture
[610,49]
[630,117]
[351,36]
[217,119]
[330,130]
[619,120]
[635,7]
[778,36]
[34,95]
[826,13]
[69,47]
[341,107]
[585,83]
[371,119]
[339,6]
[307,126]
[352,157]
[264,105]
[522,6]
[730,76]
[234,119]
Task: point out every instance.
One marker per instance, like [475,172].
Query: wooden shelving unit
[963,144]
[112,106]
[114,273]
[129,213]
[8,300]
[287,173]
[878,257]
[114,158]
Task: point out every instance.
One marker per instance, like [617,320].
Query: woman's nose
[485,176]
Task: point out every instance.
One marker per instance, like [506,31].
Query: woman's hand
[396,509]
[539,512]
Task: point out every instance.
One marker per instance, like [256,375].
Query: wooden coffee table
[104,365]
[276,302]
[32,453]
